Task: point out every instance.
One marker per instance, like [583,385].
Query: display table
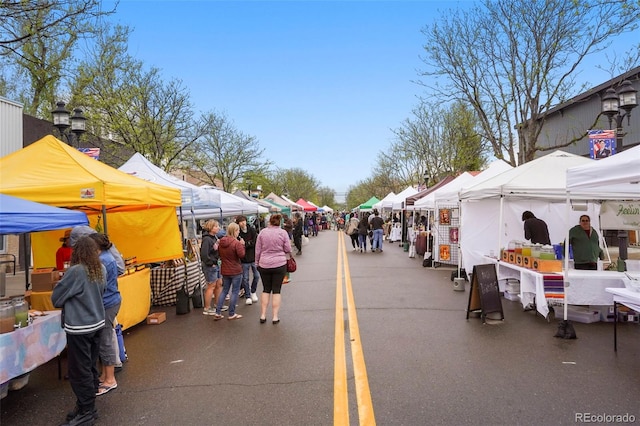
[165,282]
[581,288]
[26,348]
[625,296]
[396,232]
[135,290]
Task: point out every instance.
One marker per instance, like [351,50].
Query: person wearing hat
[82,231]
[63,255]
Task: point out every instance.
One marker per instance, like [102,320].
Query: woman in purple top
[273,248]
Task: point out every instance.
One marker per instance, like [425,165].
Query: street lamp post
[63,120]
[613,101]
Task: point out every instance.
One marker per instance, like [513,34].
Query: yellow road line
[363,392]
[340,392]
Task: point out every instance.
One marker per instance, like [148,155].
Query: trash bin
[406,246]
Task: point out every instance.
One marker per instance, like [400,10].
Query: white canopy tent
[491,211]
[192,195]
[386,202]
[399,199]
[230,205]
[613,178]
[327,209]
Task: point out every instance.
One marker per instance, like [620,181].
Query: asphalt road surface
[364,338]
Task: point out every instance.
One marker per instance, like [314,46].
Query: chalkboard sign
[485,293]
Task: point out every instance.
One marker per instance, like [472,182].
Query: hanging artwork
[445,252]
[445,216]
[453,235]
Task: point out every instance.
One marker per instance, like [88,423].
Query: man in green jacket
[586,245]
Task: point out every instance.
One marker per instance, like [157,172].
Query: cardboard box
[527,261]
[156,318]
[543,265]
[44,279]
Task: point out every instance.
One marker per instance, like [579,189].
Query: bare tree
[38,40]
[133,106]
[224,153]
[513,60]
[435,142]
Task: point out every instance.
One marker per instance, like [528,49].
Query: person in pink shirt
[273,248]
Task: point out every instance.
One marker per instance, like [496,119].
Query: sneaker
[248,301]
[354,249]
[224,308]
[86,418]
[254,297]
[241,292]
[74,413]
[228,297]
[208,311]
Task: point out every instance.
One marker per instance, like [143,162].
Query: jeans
[246,267]
[232,282]
[363,241]
[377,239]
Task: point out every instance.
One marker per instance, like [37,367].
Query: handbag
[183,301]
[291,265]
[196,298]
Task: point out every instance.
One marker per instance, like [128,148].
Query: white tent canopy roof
[451,194]
[386,202]
[614,177]
[399,200]
[542,178]
[192,195]
[230,205]
[429,201]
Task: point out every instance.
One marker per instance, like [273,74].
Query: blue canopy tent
[18,216]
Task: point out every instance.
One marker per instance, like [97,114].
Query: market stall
[139,216]
[538,186]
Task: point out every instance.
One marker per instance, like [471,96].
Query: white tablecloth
[581,287]
[396,232]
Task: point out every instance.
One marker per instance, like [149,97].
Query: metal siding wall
[579,118]
[10,127]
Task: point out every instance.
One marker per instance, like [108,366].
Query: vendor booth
[538,186]
[367,206]
[26,348]
[193,197]
[306,206]
[139,216]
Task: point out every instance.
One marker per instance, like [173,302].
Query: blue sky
[320,84]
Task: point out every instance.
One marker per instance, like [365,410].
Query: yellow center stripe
[363,393]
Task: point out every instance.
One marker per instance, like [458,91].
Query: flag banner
[602,143]
[91,152]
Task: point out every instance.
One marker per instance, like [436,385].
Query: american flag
[91,152]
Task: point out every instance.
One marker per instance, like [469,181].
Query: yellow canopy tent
[139,216]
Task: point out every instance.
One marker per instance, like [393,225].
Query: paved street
[425,363]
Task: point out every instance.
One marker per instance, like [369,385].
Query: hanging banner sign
[620,215]
[602,143]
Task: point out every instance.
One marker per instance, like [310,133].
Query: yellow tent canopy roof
[51,172]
